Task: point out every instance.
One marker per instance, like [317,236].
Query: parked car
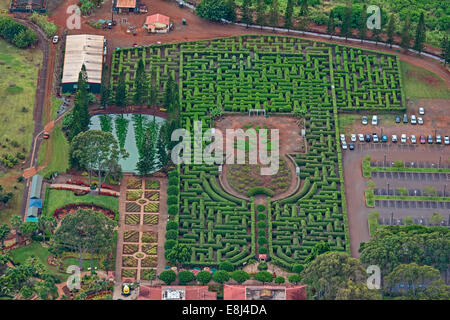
[403,138]
[438,139]
[419,120]
[397,119]
[413,119]
[344,145]
[364,120]
[46,135]
[405,118]
[394,138]
[353,137]
[55,39]
[430,139]
[351,146]
[446,140]
[375,137]
[374,120]
[361,137]
[342,137]
[422,139]
[384,139]
[368,138]
[413,139]
[421,111]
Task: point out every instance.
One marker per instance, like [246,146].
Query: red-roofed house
[158,23]
[266,292]
[176,293]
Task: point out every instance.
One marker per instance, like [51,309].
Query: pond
[128,129]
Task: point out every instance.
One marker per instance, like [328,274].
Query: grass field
[55,199]
[59,151]
[421,83]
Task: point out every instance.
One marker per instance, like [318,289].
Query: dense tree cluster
[216,10]
[16,33]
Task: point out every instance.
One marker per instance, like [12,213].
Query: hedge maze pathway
[314,80]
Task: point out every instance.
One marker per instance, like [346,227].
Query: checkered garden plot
[282,75]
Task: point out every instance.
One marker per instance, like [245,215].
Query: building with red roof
[158,23]
[264,292]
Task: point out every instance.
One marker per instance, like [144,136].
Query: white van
[375,120]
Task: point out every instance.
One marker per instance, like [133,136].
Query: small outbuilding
[35,201]
[126,6]
[158,23]
[39,6]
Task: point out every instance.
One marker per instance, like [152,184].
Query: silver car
[413,139]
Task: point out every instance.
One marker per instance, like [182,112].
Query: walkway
[77,187]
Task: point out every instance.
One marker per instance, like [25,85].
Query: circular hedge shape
[185,276]
[172,234]
[262,250]
[260,207]
[173,210]
[297,268]
[173,181]
[173,174]
[261,224]
[172,225]
[240,276]
[168,276]
[226,266]
[204,276]
[279,280]
[261,216]
[262,266]
[261,233]
[173,191]
[262,241]
[169,244]
[221,276]
[172,200]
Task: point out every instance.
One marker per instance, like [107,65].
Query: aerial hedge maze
[281,75]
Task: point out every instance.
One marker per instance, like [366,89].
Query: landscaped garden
[280,74]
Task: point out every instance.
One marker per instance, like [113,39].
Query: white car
[446,140]
[344,145]
[403,138]
[421,111]
[394,138]
[419,120]
[342,137]
[55,39]
[353,137]
[361,137]
[413,119]
[413,139]
[375,120]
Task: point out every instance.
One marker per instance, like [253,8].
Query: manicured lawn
[35,249]
[56,199]
[421,83]
[59,152]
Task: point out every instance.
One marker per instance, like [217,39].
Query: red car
[46,135]
[422,139]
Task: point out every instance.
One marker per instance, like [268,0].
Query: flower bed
[129,261]
[149,237]
[149,261]
[151,207]
[132,219]
[133,195]
[131,236]
[151,219]
[129,273]
[132,207]
[134,183]
[73,207]
[130,248]
[148,274]
[149,249]
[152,195]
[152,184]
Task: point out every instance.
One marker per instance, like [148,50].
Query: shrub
[169,244]
[240,276]
[173,210]
[373,221]
[173,191]
[226,266]
[429,191]
[261,224]
[262,250]
[259,190]
[26,292]
[261,233]
[204,276]
[172,200]
[260,207]
[174,174]
[297,268]
[173,181]
[171,235]
[221,276]
[402,191]
[261,216]
[172,225]
[279,280]
[49,28]
[262,241]
[185,276]
[294,278]
[262,266]
[399,164]
[264,276]
[168,276]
